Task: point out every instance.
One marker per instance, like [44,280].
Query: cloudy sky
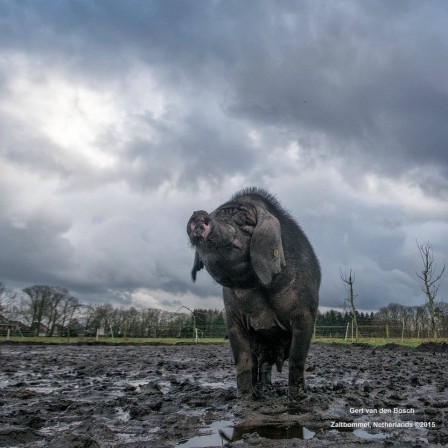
[119,118]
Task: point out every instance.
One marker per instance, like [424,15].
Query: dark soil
[165,396]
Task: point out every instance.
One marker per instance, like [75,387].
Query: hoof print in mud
[270,276]
[140,412]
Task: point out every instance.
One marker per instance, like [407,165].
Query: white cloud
[70,115]
[401,193]
[145,298]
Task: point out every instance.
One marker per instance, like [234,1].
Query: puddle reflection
[273,432]
[223,431]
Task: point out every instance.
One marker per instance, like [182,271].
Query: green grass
[107,340]
[411,342]
[173,341]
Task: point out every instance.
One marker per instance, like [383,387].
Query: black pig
[270,277]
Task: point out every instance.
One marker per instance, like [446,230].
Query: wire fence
[384,331]
[152,332]
[347,332]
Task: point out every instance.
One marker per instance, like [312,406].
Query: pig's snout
[199,227]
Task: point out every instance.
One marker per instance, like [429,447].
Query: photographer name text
[382,411]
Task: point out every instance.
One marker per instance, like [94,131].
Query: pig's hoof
[297,393]
[256,393]
[252,394]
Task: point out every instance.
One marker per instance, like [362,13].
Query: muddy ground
[184,395]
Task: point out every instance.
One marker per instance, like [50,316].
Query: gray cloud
[118,119]
[369,77]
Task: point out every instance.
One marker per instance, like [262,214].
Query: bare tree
[420,319]
[44,307]
[69,306]
[431,278]
[100,318]
[56,297]
[38,305]
[351,296]
[7,297]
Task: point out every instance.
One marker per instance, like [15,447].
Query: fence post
[387,331]
[402,330]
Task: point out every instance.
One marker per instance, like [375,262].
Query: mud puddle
[363,434]
[223,431]
[215,434]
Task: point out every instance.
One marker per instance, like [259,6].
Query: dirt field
[165,396]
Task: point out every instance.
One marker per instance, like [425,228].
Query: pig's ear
[197,266]
[266,248]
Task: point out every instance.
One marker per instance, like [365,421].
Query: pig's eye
[227,211]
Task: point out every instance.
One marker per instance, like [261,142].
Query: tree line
[43,310]
[414,321]
[52,311]
[334,318]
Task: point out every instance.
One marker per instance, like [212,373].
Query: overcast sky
[118,119]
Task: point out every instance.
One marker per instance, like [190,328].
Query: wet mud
[185,396]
